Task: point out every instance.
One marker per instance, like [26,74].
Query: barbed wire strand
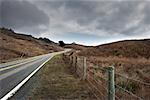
[126,84]
[96,89]
[102,69]
[132,79]
[129,92]
[104,87]
[107,89]
[97,67]
[93,92]
[97,75]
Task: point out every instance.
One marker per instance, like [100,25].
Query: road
[13,73]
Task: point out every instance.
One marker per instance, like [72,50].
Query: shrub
[61,43]
[45,40]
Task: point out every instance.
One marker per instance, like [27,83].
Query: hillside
[16,45]
[76,46]
[130,58]
[127,48]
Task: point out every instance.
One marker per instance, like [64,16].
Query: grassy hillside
[76,46]
[128,48]
[15,45]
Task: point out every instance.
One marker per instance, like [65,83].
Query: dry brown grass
[130,66]
[129,48]
[76,46]
[58,83]
[13,45]
[134,69]
[135,76]
[130,58]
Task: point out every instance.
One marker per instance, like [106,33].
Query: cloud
[98,17]
[23,16]
[101,18]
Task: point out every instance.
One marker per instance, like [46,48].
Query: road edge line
[16,65]
[16,88]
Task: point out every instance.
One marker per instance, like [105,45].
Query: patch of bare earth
[56,82]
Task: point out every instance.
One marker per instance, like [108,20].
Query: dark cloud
[120,16]
[23,16]
[112,17]
[147,14]
[96,17]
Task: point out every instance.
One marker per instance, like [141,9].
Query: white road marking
[14,90]
[3,65]
[16,65]
[7,74]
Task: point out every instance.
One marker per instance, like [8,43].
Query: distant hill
[15,45]
[127,48]
[76,46]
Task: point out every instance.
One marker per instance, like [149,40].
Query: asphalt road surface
[12,73]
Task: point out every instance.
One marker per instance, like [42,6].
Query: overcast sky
[89,22]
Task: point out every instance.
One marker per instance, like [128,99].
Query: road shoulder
[54,81]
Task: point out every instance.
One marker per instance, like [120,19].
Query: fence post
[71,60]
[76,59]
[111,83]
[84,68]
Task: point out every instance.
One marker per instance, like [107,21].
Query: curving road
[13,73]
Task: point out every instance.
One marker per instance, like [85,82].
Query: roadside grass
[132,68]
[56,82]
[130,86]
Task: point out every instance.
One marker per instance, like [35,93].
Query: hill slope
[76,46]
[127,48]
[15,45]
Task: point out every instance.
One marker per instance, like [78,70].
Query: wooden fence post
[76,59]
[71,60]
[84,68]
[111,83]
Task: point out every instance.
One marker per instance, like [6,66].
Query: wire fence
[100,81]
